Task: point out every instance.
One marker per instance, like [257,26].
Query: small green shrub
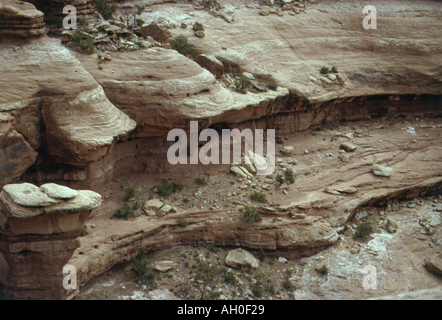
[182,45]
[362,230]
[229,277]
[182,222]
[289,176]
[208,4]
[272,86]
[334,70]
[290,214]
[280,179]
[325,70]
[84,231]
[105,9]
[323,270]
[270,287]
[127,210]
[140,22]
[82,43]
[261,255]
[166,189]
[129,193]
[288,285]
[242,83]
[200,182]
[250,215]
[143,271]
[259,196]
[257,290]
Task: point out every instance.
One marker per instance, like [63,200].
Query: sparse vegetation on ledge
[182,45]
[166,188]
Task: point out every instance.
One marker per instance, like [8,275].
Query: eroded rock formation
[50,104]
[20,20]
[114,241]
[38,235]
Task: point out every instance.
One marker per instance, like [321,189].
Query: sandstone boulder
[382,171]
[241,259]
[434,264]
[164,210]
[288,149]
[348,146]
[163,266]
[152,206]
[259,161]
[200,34]
[210,63]
[392,225]
[155,31]
[197,26]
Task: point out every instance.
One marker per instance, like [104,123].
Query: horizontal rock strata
[38,231]
[20,20]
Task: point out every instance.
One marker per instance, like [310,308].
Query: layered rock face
[20,20]
[49,104]
[114,242]
[162,90]
[38,231]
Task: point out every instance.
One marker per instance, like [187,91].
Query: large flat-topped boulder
[28,195]
[28,209]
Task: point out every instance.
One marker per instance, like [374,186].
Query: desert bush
[280,179]
[200,182]
[363,229]
[259,196]
[140,22]
[323,270]
[257,290]
[242,83]
[207,4]
[288,285]
[142,270]
[129,193]
[182,45]
[182,222]
[289,176]
[105,9]
[261,255]
[250,215]
[325,70]
[166,188]
[334,70]
[82,43]
[84,231]
[127,210]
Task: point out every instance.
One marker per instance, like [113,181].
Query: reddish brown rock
[154,31]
